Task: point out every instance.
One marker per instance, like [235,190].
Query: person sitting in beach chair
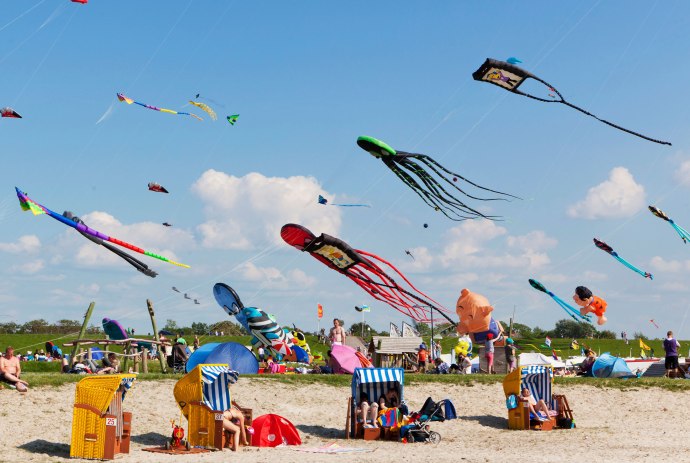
[11,370]
[539,408]
[366,411]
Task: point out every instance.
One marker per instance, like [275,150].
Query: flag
[574,344]
[553,354]
[365,308]
[319,311]
[644,346]
[582,351]
[547,341]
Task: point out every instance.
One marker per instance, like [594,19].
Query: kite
[510,77]
[590,303]
[153,186]
[364,269]
[425,185]
[196,301]
[324,202]
[409,254]
[175,289]
[653,323]
[136,263]
[513,60]
[9,112]
[83,2]
[127,100]
[232,119]
[426,225]
[206,108]
[166,224]
[606,248]
[28,204]
[570,310]
[186,296]
[682,232]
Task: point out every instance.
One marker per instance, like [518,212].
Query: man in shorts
[337,335]
[671,346]
[10,370]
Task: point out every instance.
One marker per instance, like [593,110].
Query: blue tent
[97,354]
[199,355]
[300,354]
[236,356]
[608,366]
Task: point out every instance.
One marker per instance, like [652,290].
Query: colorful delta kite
[153,186]
[127,100]
[653,323]
[233,118]
[682,232]
[324,202]
[363,268]
[570,310]
[206,108]
[266,332]
[28,204]
[510,77]
[9,112]
[606,248]
[425,185]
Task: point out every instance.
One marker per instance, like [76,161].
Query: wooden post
[136,361]
[82,332]
[125,358]
[161,348]
[145,360]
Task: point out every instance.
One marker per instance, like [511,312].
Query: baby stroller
[419,430]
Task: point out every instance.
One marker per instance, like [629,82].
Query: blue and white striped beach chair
[374,382]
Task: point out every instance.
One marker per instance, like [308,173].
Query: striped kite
[128,100]
[606,248]
[510,77]
[70,220]
[432,192]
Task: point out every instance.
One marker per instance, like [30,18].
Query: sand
[612,425]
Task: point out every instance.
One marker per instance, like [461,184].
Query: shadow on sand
[54,449]
[498,422]
[321,431]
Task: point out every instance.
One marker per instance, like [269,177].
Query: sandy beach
[612,425]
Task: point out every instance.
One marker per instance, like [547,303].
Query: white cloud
[618,197]
[660,264]
[245,212]
[535,240]
[274,278]
[682,173]
[29,268]
[468,238]
[25,244]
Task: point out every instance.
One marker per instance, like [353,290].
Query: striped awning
[537,379]
[215,386]
[375,382]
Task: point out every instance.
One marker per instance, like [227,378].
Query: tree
[639,335]
[571,329]
[9,328]
[356,330]
[521,331]
[199,328]
[171,325]
[35,327]
[605,334]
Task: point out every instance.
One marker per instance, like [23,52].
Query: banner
[319,311]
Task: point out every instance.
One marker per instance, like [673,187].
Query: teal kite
[608,249]
[569,309]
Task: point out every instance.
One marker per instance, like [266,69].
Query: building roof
[393,345]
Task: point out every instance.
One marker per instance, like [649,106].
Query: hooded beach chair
[538,379]
[100,429]
[203,395]
[374,382]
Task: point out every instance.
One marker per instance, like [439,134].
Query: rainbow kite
[28,204]
[128,100]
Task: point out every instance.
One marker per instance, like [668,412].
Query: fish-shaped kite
[682,232]
[128,100]
[9,112]
[323,201]
[367,270]
[606,248]
[29,204]
[569,309]
[425,185]
[509,77]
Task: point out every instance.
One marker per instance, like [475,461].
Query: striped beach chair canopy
[216,380]
[538,379]
[376,381]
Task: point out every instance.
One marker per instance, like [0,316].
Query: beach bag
[565,423]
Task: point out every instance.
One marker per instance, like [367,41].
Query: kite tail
[437,305]
[572,311]
[633,268]
[614,125]
[682,232]
[378,292]
[429,161]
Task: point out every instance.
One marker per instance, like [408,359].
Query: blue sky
[307,79]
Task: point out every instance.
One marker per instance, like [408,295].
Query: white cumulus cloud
[682,173]
[25,244]
[618,197]
[245,212]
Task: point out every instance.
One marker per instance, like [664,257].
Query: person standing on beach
[671,346]
[337,335]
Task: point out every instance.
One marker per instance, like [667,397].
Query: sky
[307,79]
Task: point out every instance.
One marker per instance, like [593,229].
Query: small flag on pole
[319,311]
